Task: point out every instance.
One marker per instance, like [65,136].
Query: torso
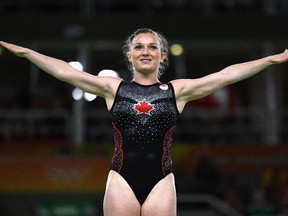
[144,118]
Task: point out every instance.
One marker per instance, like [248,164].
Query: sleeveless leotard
[143,119]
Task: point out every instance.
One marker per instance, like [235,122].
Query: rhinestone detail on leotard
[144,118]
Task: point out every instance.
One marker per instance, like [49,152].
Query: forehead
[145,38]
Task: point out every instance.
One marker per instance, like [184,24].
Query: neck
[145,79]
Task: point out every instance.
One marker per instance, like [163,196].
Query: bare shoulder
[110,89]
[114,82]
[108,83]
[182,89]
[181,86]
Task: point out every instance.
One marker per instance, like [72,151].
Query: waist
[143,155]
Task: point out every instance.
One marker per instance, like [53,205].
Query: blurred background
[230,151]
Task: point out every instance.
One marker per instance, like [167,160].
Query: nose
[145,51]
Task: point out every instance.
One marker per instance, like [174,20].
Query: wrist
[25,53]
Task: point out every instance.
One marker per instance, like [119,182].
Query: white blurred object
[108,72]
[77,65]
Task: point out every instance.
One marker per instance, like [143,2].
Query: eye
[153,47]
[138,47]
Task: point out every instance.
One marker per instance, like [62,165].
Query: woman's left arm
[192,89]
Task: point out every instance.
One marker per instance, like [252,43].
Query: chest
[145,104]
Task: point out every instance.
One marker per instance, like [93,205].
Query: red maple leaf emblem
[144,107]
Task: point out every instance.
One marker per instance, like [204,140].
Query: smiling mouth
[145,60]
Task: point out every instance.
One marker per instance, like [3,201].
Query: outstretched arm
[101,86]
[191,89]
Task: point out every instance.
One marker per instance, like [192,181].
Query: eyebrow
[149,44]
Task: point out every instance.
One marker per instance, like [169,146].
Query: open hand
[17,50]
[281,58]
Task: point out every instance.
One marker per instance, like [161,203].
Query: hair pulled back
[163,45]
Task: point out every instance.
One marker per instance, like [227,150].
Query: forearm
[241,71]
[52,66]
[206,85]
[63,71]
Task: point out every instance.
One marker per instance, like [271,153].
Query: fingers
[3,44]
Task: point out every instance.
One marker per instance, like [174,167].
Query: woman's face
[145,53]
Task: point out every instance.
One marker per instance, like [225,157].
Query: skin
[145,55]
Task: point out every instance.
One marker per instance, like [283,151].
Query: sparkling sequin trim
[166,157]
[117,160]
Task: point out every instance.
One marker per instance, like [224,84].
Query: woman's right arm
[102,86]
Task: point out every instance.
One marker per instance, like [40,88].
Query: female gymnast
[144,113]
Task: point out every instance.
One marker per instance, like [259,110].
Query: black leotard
[143,119]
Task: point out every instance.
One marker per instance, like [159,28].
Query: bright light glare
[176,49]
[77,65]
[77,94]
[108,72]
[89,97]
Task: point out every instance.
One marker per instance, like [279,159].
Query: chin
[146,70]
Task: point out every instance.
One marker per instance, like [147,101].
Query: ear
[163,56]
[129,57]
